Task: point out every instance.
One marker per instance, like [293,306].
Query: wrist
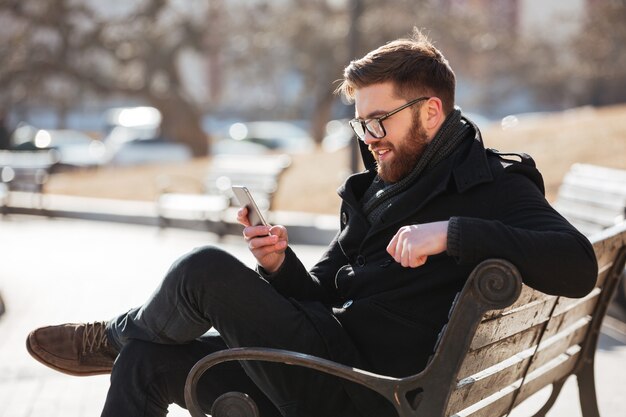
[273,268]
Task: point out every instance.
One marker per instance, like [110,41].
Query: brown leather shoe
[79,349]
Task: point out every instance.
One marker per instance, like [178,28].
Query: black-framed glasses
[375,125]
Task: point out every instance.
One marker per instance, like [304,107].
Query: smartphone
[245,200]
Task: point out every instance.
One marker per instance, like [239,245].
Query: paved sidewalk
[55,271]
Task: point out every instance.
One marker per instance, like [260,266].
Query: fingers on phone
[242,216]
[251,232]
[260,242]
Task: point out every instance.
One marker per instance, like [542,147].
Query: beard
[405,155]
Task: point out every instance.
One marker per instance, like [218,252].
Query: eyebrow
[373,114]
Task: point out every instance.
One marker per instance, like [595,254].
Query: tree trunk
[182,122]
[321,113]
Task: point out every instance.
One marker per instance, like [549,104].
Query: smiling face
[398,152]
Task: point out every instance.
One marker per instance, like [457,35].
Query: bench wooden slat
[495,405]
[494,330]
[605,259]
[558,343]
[489,381]
[527,296]
[596,172]
[586,228]
[557,369]
[489,355]
[572,306]
[593,197]
[603,274]
[608,185]
[192,205]
[582,212]
[599,172]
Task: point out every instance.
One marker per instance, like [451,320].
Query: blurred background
[109,107]
[132,82]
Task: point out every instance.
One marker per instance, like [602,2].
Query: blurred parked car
[23,135]
[263,137]
[146,151]
[75,149]
[132,137]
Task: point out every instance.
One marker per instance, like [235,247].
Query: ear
[432,115]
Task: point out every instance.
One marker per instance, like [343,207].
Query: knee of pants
[203,267]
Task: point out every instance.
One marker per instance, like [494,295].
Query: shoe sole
[41,360]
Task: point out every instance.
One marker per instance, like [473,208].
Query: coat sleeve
[552,256]
[293,280]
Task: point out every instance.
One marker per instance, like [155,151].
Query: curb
[304,228]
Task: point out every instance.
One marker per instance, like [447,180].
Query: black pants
[161,340]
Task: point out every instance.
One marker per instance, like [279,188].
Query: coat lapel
[416,197]
[465,169]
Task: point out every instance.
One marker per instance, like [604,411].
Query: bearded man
[430,205]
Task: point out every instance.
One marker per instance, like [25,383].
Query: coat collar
[474,168]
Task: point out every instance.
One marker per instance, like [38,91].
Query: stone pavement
[55,271]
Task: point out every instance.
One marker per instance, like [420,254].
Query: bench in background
[260,173]
[25,171]
[593,198]
[503,343]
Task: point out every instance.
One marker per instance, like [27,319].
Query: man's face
[397,153]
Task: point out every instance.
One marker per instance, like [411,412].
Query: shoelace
[94,337]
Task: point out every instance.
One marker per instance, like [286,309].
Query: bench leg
[220,228]
[162,221]
[235,404]
[587,390]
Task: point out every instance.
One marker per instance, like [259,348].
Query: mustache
[380,145]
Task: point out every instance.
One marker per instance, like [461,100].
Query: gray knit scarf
[380,196]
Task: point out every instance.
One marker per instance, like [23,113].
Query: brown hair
[413,65]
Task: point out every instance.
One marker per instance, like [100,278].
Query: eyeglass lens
[373,126]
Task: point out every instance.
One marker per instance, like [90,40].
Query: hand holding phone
[243,196]
[269,250]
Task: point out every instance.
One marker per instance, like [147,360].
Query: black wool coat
[377,315]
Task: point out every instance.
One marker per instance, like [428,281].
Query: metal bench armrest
[384,385]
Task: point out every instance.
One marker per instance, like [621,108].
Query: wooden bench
[593,198]
[504,342]
[260,173]
[25,171]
